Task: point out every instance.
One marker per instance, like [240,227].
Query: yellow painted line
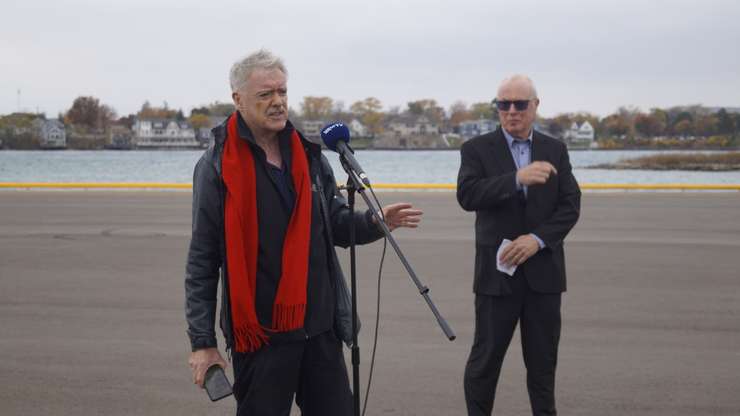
[95,185]
[412,186]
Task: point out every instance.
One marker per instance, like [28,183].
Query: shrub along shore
[694,161]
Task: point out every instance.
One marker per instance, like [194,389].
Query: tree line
[88,115]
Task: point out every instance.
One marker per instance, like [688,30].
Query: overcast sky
[584,55]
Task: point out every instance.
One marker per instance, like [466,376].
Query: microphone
[336,138]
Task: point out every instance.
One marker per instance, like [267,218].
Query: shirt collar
[510,139]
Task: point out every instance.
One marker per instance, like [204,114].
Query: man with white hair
[267,214]
[519,183]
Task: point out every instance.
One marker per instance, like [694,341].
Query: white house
[357,129]
[52,134]
[582,133]
[164,133]
[312,129]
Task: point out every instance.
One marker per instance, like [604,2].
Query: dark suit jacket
[486,184]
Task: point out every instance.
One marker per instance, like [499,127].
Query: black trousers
[313,370]
[496,318]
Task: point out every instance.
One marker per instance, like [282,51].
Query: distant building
[312,129]
[471,128]
[204,135]
[407,126]
[583,133]
[120,138]
[357,129]
[164,134]
[51,133]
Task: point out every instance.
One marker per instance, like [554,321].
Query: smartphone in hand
[216,384]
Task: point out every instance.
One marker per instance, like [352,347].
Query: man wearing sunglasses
[519,183]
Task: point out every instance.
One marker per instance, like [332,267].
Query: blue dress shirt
[521,151]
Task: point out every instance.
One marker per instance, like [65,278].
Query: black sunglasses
[505,105]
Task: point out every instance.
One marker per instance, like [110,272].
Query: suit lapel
[501,151]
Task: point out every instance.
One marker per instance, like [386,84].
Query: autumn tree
[148,111]
[648,125]
[370,114]
[317,108]
[559,124]
[725,123]
[87,112]
[706,125]
[483,110]
[339,112]
[127,121]
[678,116]
[615,125]
[459,112]
[427,107]
[198,120]
[683,128]
[221,109]
[200,110]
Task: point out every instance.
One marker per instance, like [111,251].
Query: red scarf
[240,216]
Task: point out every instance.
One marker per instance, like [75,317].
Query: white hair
[243,68]
[520,78]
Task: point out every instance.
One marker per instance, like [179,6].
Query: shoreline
[704,162]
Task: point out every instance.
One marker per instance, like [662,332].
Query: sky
[583,55]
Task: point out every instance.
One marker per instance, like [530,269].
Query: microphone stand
[355,185]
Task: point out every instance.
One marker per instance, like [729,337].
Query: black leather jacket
[207,253]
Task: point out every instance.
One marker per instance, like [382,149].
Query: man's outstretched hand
[401,214]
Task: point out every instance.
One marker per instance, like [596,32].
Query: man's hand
[201,360]
[401,214]
[520,250]
[536,173]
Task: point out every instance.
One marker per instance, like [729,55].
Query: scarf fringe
[249,338]
[288,317]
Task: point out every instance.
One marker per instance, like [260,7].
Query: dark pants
[496,318]
[313,370]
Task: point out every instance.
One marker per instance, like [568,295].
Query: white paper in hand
[500,266]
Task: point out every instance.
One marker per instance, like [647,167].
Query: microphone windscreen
[334,133]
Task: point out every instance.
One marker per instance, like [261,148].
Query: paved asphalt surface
[91,308]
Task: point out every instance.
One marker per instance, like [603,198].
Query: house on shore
[471,128]
[164,134]
[204,135]
[357,129]
[411,132]
[51,133]
[120,138]
[407,126]
[580,135]
[311,129]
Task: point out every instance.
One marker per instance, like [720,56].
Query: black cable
[377,306]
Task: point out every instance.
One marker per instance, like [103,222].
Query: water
[382,166]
